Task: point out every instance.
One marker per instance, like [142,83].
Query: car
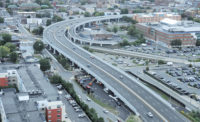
[81,115]
[105,111]
[88,99]
[121,77]
[78,110]
[92,57]
[88,65]
[74,104]
[149,114]
[79,96]
[73,48]
[66,116]
[76,107]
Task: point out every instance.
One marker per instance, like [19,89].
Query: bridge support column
[54,51]
[49,47]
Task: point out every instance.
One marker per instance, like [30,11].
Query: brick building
[55,111]
[167,30]
[3,79]
[155,17]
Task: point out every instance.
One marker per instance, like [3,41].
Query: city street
[68,76]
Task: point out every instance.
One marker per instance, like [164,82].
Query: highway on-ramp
[125,87]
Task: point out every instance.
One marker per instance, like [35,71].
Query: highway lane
[112,77]
[143,108]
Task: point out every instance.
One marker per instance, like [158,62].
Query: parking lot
[74,112]
[98,92]
[124,62]
[184,79]
[150,47]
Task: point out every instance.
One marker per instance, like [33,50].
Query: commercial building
[168,30]
[155,17]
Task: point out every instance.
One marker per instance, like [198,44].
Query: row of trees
[55,18]
[38,31]
[56,79]
[1,20]
[7,49]
[87,14]
[129,20]
[64,62]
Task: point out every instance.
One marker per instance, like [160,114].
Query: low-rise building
[168,30]
[3,79]
[55,111]
[18,108]
[155,17]
[26,14]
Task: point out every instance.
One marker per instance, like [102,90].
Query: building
[55,111]
[27,14]
[35,21]
[18,108]
[3,79]
[155,17]
[11,77]
[168,30]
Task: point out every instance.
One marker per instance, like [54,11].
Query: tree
[11,46]
[115,29]
[198,43]
[161,62]
[1,20]
[4,51]
[100,119]
[124,11]
[96,13]
[38,31]
[129,19]
[57,18]
[56,79]
[132,31]
[44,64]
[1,4]
[48,22]
[38,46]
[176,43]
[6,37]
[87,14]
[38,2]
[124,43]
[13,57]
[147,68]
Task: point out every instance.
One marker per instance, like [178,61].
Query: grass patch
[133,118]
[190,116]
[106,106]
[38,56]
[196,60]
[164,96]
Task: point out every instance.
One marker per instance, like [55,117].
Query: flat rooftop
[17,111]
[173,26]
[157,14]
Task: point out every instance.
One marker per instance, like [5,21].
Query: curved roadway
[135,95]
